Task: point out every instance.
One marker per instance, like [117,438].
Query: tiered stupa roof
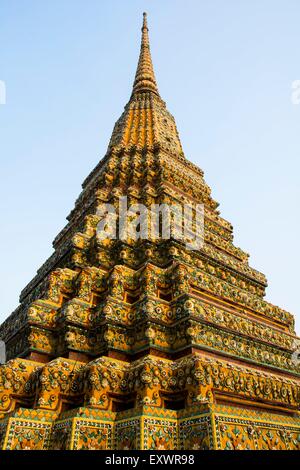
[144,344]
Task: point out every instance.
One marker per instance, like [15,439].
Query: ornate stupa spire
[145,78]
[125,343]
[145,122]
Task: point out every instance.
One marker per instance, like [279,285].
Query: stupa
[143,343]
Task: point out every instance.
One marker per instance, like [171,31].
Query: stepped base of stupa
[193,403]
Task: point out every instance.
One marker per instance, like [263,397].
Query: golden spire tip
[144,78]
[145,25]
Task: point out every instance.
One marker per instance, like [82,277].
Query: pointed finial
[145,78]
[145,24]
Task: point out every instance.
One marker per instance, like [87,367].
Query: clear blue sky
[225,70]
